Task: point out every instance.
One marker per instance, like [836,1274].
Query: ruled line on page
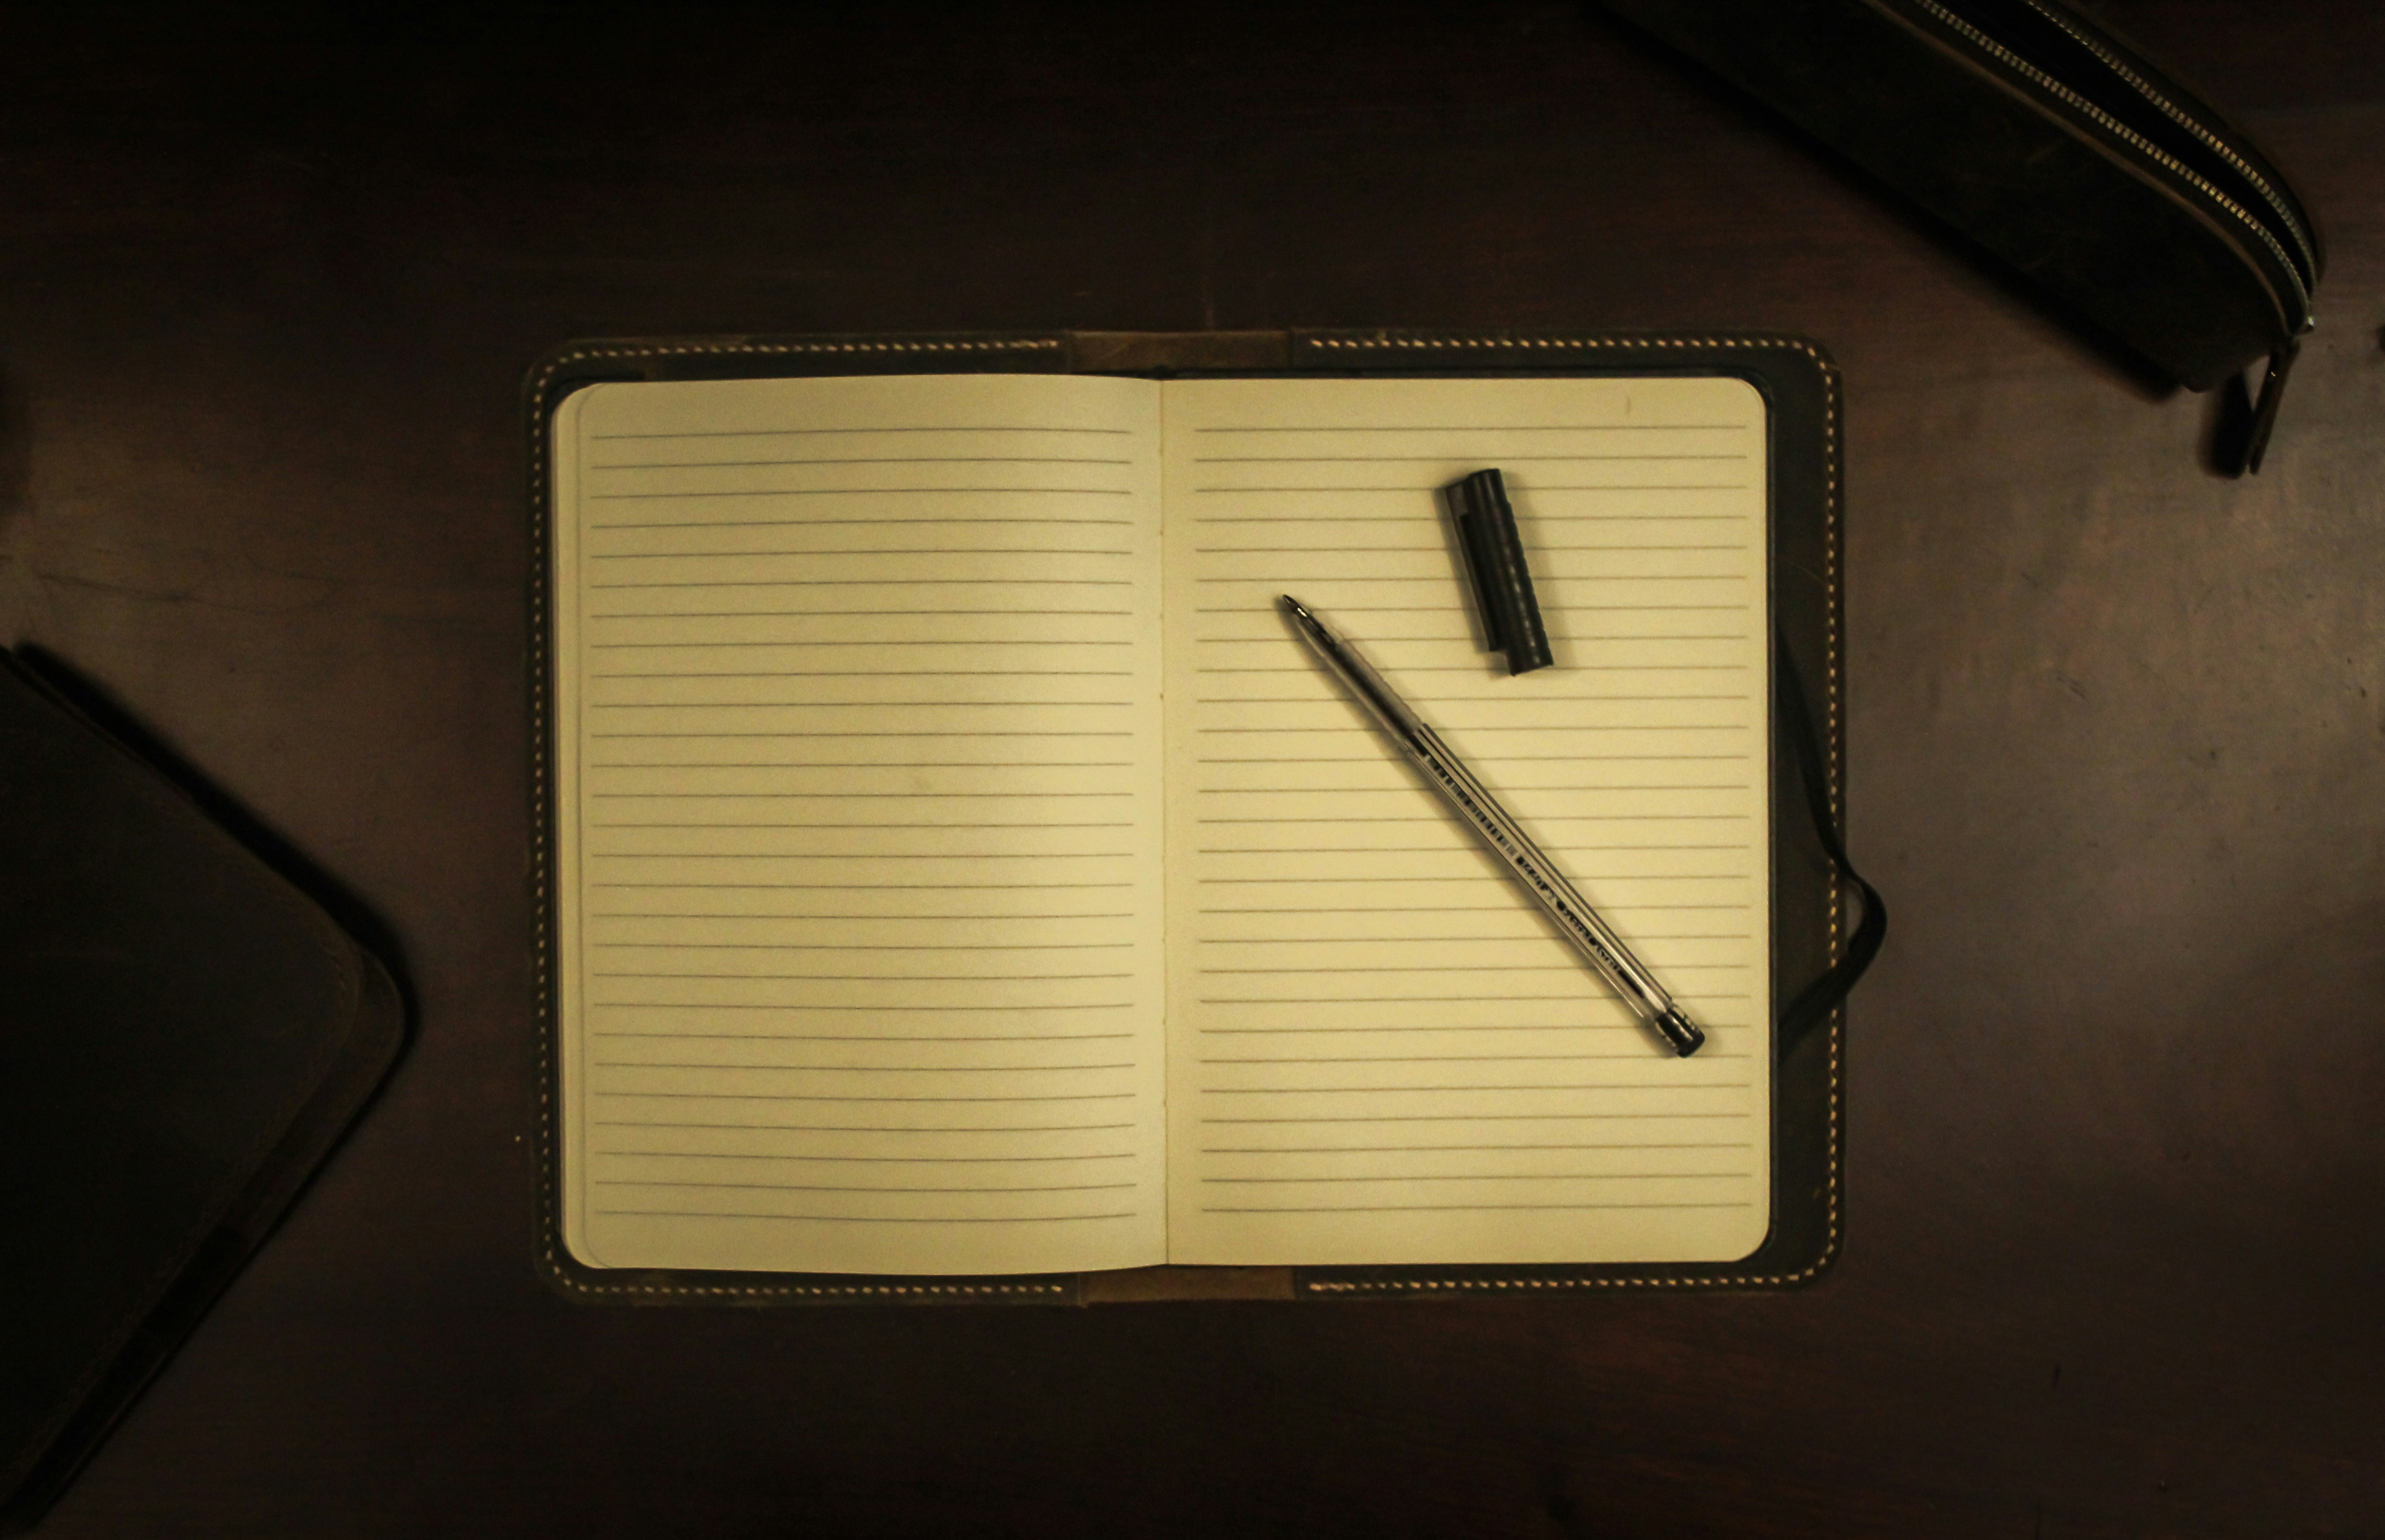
[826,551]
[1632,1031]
[777,431]
[1602,1117]
[1401,999]
[842,523]
[753,645]
[1440,1059]
[852,1068]
[789,1095]
[1307,488]
[855,979]
[859,886]
[879,1128]
[910,732]
[1633,1145]
[1311,938]
[905,1160]
[858,492]
[1429,518]
[1314,971]
[1536,1087]
[880,583]
[683,1213]
[875,1191]
[1506,456]
[867,766]
[879,674]
[840,796]
[1425,909]
[879,459]
[1483,1176]
[869,1036]
[1323,574]
[861,1009]
[1569,786]
[1495,430]
[1465,1208]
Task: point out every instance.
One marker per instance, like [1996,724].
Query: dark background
[270,279]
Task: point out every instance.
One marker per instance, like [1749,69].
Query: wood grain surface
[269,278]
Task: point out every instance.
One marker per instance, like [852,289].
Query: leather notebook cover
[1812,921]
[183,1036]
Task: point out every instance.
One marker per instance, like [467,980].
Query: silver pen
[1447,775]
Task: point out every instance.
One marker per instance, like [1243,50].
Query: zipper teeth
[2191,124]
[2031,72]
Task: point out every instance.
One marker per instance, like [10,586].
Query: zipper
[2301,319]
[2288,217]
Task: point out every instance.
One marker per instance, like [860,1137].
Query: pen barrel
[1447,775]
[1575,920]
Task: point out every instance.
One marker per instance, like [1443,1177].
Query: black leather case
[183,1036]
[1812,919]
[2053,144]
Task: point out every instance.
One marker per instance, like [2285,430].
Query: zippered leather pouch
[2049,141]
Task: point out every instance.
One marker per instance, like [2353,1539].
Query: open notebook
[961,869]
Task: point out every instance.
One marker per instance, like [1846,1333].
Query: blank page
[858,845]
[1379,1050]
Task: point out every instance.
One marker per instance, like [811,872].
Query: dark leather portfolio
[183,1036]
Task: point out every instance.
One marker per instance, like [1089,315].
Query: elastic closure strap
[1818,1000]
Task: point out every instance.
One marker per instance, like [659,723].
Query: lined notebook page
[857,693]
[1380,1051]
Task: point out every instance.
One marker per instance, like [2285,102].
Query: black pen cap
[1494,557]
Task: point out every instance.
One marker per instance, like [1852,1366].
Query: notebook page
[859,848]
[1379,1050]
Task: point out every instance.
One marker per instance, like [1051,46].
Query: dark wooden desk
[2116,1246]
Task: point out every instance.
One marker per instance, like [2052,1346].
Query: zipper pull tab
[2273,390]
